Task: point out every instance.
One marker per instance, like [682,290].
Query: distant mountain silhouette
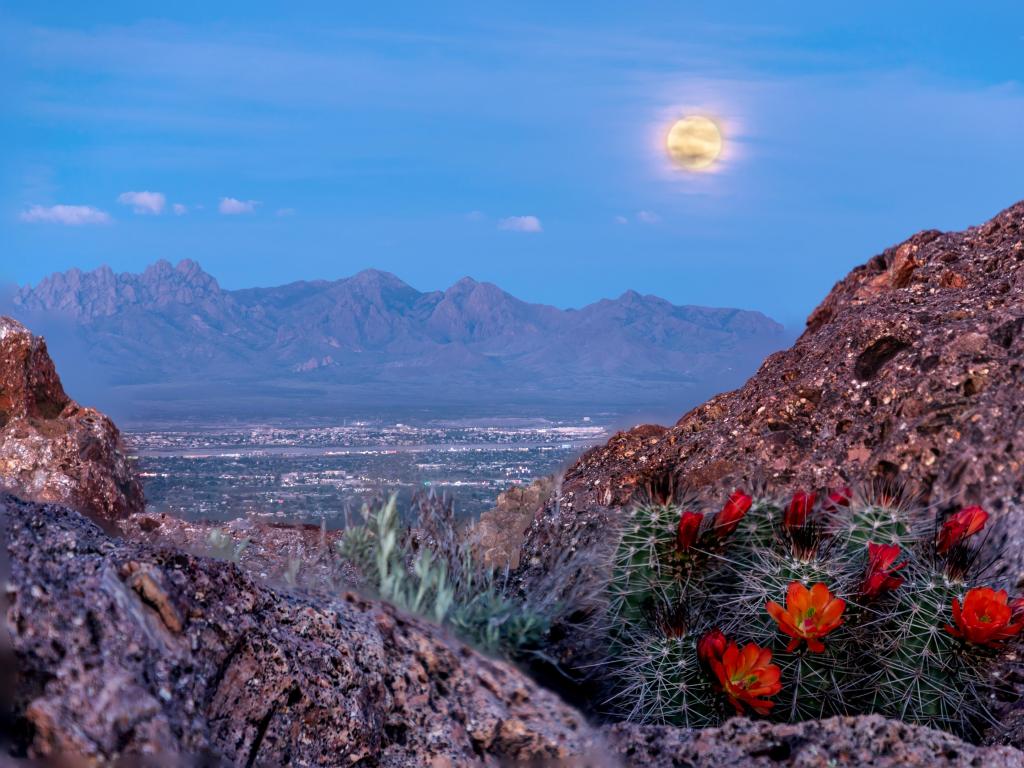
[172,333]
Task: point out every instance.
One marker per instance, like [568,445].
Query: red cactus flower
[838,497]
[880,576]
[747,677]
[729,518]
[959,527]
[809,615]
[689,529]
[985,618]
[798,510]
[711,647]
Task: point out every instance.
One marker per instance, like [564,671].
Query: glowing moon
[694,142]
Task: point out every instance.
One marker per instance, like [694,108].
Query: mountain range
[172,339]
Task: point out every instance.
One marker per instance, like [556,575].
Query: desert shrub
[823,605]
[430,571]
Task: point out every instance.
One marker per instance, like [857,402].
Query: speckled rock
[910,372]
[125,650]
[839,741]
[128,649]
[295,556]
[498,535]
[51,448]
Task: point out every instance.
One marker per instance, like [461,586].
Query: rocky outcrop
[291,555]
[498,536]
[51,448]
[839,741]
[910,372]
[126,649]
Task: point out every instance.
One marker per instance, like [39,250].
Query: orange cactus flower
[882,568]
[689,530]
[729,518]
[799,510]
[986,617]
[747,677]
[959,527]
[809,615]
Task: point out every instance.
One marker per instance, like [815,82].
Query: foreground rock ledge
[847,741]
[125,648]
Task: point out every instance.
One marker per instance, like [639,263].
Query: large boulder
[51,448]
[127,649]
[910,373]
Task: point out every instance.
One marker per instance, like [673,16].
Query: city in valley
[326,472]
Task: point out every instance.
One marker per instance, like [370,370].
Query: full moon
[694,142]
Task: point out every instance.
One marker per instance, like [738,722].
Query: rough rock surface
[128,649]
[910,372]
[51,448]
[302,557]
[498,536]
[850,741]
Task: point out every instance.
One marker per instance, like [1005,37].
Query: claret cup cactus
[815,605]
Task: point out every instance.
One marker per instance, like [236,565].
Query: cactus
[921,673]
[649,570]
[849,604]
[881,522]
[662,682]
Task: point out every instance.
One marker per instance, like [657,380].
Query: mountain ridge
[471,340]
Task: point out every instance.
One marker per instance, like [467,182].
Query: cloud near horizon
[144,202]
[69,215]
[179,209]
[521,224]
[231,206]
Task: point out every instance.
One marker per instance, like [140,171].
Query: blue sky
[518,143]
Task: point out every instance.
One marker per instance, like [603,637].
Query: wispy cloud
[284,212]
[70,215]
[521,224]
[179,209]
[643,217]
[144,202]
[230,206]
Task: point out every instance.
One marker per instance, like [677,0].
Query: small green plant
[431,572]
[224,547]
[820,606]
